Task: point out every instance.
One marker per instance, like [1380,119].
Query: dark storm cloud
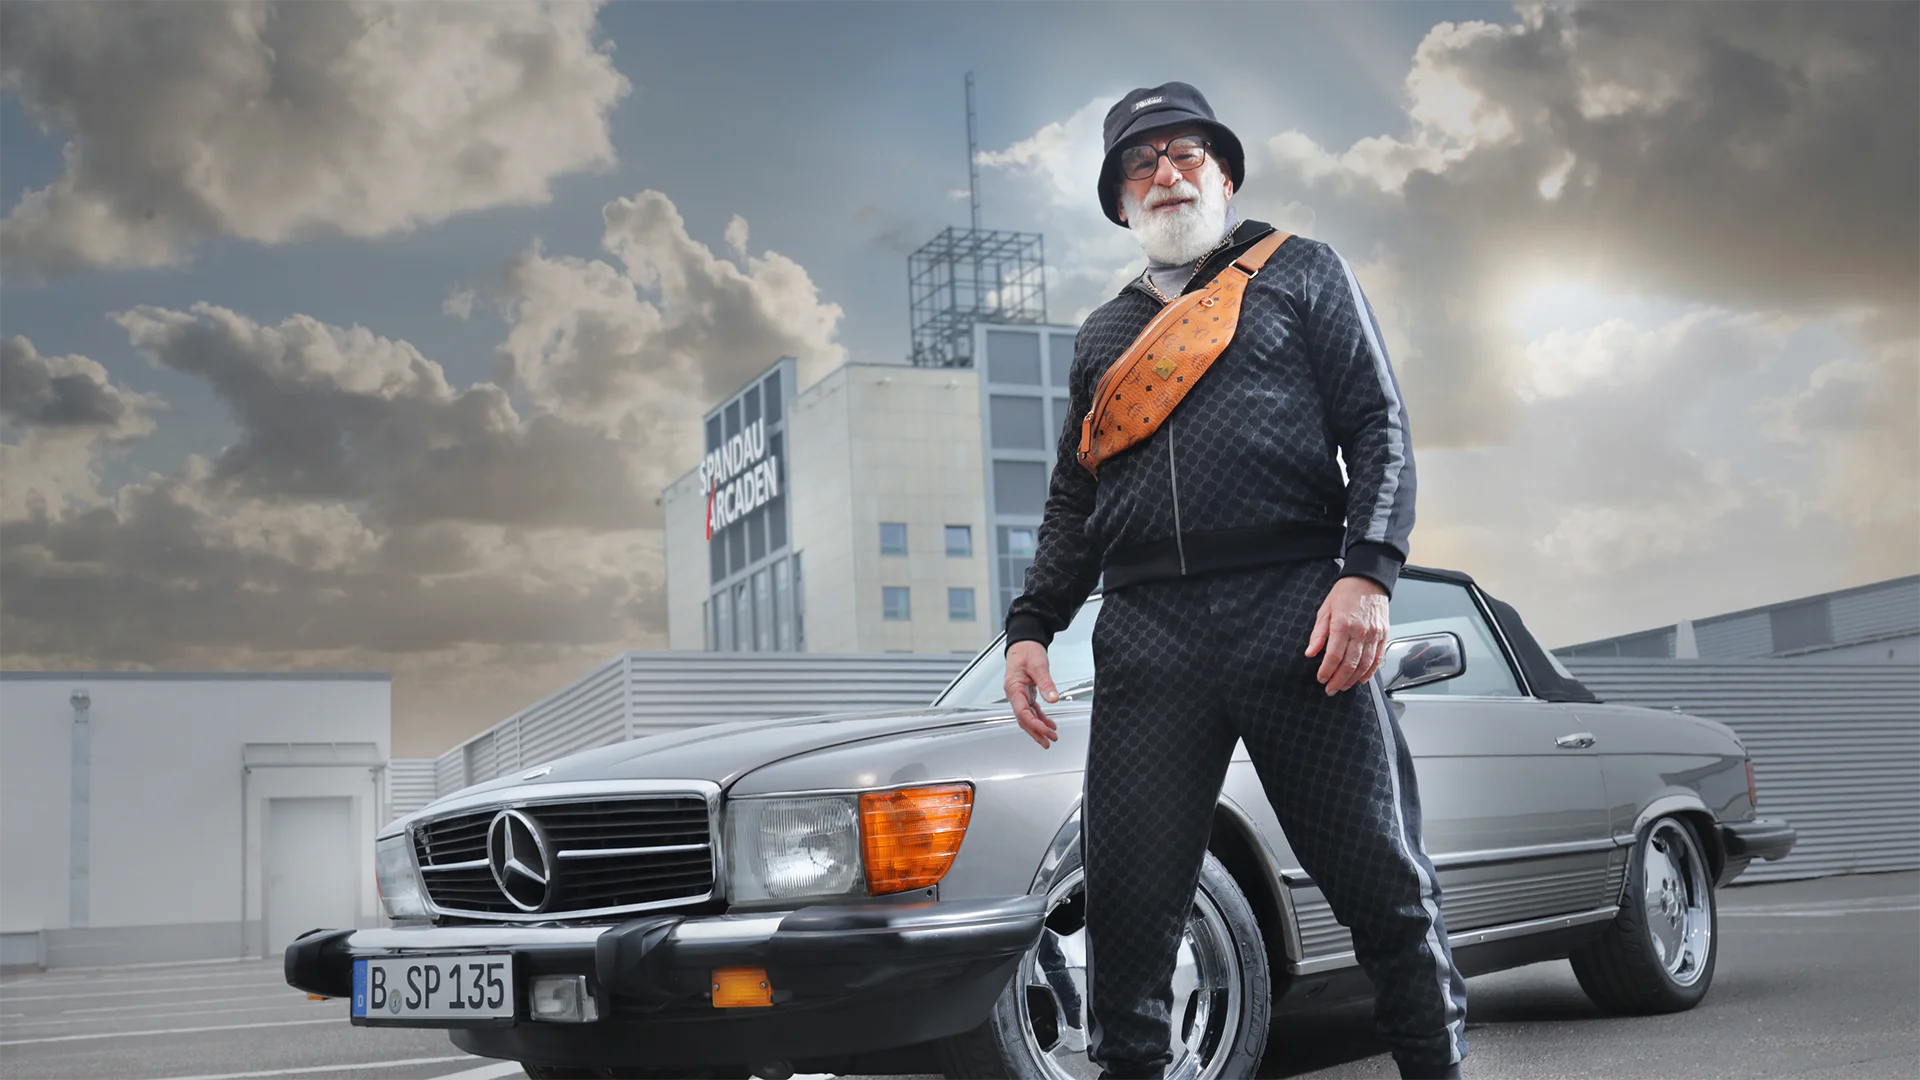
[160,574]
[67,393]
[276,121]
[330,414]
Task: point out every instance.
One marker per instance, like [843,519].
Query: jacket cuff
[1374,561]
[1026,626]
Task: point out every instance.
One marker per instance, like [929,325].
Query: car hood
[722,753]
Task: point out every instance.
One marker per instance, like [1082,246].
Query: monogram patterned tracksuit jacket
[1216,540]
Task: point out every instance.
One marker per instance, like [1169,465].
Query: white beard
[1180,237]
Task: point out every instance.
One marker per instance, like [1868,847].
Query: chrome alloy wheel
[1053,976]
[1675,890]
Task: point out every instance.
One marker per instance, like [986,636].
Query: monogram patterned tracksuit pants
[1185,668]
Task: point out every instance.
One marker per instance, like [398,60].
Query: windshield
[1069,661]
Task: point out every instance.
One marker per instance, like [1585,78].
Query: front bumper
[1761,838]
[847,979]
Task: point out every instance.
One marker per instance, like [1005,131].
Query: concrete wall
[688,568]
[820,486]
[169,842]
[914,441]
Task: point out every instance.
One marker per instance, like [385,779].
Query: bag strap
[1254,258]
[1096,443]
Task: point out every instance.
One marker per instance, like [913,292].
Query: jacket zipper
[1174,477]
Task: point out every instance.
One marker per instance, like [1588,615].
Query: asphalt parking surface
[1815,979]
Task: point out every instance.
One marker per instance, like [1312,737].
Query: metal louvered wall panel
[1835,748]
[450,771]
[411,784]
[671,691]
[1741,635]
[481,765]
[646,693]
[588,713]
[1894,609]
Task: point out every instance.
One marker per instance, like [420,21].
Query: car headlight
[836,845]
[785,848]
[399,879]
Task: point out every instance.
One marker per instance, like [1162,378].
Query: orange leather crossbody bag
[1141,388]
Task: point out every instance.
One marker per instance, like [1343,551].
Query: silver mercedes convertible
[829,893]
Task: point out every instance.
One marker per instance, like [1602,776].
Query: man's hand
[1026,671]
[1352,624]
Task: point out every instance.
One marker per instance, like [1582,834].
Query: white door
[311,871]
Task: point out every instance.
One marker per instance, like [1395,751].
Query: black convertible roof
[1437,574]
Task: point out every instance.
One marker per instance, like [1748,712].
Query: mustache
[1183,189]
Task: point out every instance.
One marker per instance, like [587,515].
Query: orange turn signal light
[741,987]
[909,836]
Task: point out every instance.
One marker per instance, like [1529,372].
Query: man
[1234,555]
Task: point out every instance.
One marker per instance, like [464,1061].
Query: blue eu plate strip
[359,988]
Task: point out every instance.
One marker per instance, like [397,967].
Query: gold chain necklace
[1146,276]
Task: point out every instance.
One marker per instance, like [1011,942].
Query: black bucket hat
[1148,109]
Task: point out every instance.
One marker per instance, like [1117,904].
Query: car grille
[605,853]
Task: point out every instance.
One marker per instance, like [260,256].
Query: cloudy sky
[354,336]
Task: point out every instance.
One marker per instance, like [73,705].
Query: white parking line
[292,999]
[172,1031]
[487,1072]
[68,976]
[38,1024]
[11,998]
[1828,909]
[310,1069]
[1821,913]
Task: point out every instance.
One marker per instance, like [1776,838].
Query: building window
[773,397]
[1016,423]
[722,622]
[895,603]
[893,538]
[799,608]
[1021,542]
[1059,357]
[1019,487]
[960,541]
[762,613]
[1013,356]
[960,605]
[783,616]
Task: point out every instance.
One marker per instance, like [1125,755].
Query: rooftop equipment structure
[967,276]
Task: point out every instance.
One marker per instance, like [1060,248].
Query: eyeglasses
[1188,152]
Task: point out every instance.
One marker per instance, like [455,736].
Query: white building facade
[159,817]
[884,509]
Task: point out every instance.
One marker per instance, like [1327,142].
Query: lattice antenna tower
[963,277]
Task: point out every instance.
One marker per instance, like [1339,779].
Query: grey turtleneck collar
[1170,278]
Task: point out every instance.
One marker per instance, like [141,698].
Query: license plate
[433,988]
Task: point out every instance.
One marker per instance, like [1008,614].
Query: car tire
[1658,954]
[1223,949]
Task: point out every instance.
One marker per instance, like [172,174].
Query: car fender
[1687,804]
[1673,803]
[1066,844]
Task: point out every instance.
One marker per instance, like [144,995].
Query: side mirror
[1426,658]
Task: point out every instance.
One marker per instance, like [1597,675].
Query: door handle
[1579,740]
